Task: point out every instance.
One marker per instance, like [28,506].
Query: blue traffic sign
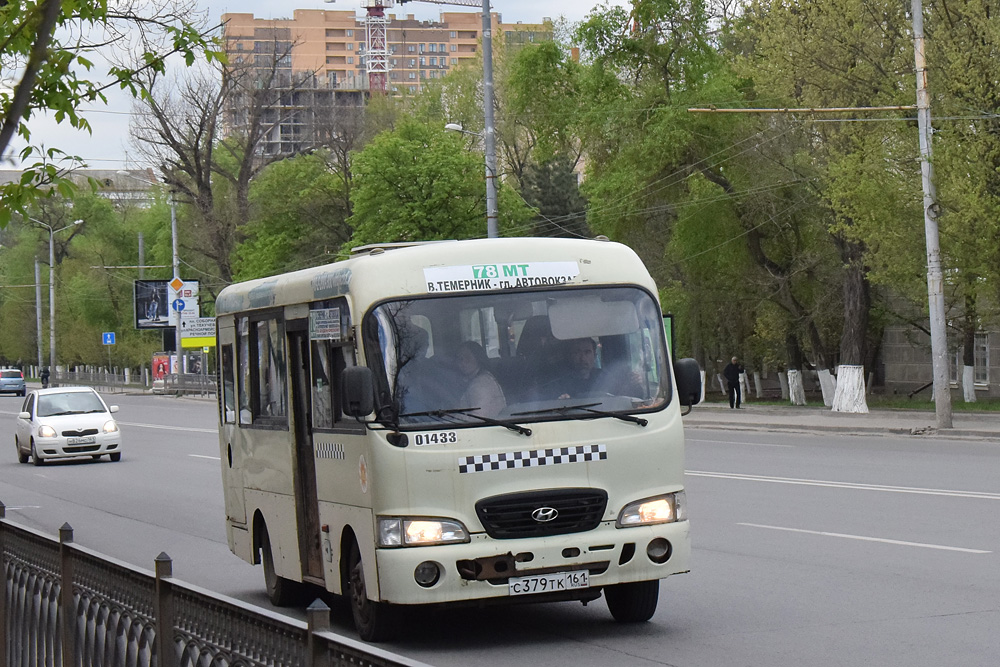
[178,305]
[108,337]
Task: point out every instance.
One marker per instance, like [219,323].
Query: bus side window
[228,402]
[328,364]
[246,412]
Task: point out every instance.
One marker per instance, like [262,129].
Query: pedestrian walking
[732,373]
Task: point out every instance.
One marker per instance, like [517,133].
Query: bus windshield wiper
[588,408]
[469,412]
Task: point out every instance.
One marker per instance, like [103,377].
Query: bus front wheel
[282,592]
[634,602]
[373,620]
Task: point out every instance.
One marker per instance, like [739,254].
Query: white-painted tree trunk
[744,387]
[759,384]
[702,400]
[850,392]
[783,383]
[796,390]
[969,383]
[722,384]
[828,386]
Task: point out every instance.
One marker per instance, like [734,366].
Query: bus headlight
[667,508]
[398,531]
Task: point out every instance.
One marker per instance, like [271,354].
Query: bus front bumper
[486,568]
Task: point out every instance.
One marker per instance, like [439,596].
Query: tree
[299,216]
[417,183]
[49,43]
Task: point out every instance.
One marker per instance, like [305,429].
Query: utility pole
[935,278]
[177,274]
[489,134]
[38,311]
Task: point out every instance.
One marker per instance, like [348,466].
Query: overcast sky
[108,146]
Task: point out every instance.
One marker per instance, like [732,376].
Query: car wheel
[634,602]
[117,456]
[21,456]
[35,458]
[280,591]
[374,621]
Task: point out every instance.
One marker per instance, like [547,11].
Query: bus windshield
[473,359]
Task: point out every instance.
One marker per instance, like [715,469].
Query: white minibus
[456,422]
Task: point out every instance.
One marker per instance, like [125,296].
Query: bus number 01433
[439,438]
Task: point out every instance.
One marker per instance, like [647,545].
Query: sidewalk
[811,419]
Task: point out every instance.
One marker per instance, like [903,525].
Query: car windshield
[69,403]
[517,357]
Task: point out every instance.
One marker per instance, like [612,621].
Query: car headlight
[46,431]
[397,531]
[667,508]
[110,426]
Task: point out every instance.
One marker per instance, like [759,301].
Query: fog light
[427,574]
[659,550]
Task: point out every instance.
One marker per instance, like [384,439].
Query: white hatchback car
[66,422]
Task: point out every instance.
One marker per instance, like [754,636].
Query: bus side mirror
[358,385]
[688,375]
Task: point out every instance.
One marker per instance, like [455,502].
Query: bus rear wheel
[634,602]
[280,591]
[374,621]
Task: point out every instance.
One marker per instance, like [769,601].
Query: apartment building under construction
[320,56]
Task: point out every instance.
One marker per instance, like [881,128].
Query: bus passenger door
[306,503]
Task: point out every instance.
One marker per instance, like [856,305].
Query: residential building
[319,56]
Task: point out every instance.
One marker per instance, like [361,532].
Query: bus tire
[633,602]
[280,591]
[373,620]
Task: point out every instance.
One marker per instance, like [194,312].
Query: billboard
[152,310]
[157,303]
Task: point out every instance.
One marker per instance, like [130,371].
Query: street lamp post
[492,228]
[491,191]
[52,287]
[176,262]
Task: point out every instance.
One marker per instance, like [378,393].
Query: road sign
[198,332]
[108,337]
[182,295]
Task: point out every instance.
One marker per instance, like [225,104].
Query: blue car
[11,381]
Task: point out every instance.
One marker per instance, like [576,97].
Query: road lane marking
[867,539]
[733,442]
[202,456]
[979,495]
[171,428]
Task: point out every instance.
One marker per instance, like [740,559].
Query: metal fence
[117,383]
[65,605]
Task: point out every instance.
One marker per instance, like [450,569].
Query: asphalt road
[808,550]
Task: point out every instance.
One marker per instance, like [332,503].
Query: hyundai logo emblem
[545,514]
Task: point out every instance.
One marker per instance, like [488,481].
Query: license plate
[549,583]
[83,440]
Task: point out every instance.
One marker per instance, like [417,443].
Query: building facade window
[982,358]
[350,33]
[434,61]
[452,35]
[442,48]
[454,48]
[350,60]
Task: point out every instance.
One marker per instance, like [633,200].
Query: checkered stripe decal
[533,458]
[330,450]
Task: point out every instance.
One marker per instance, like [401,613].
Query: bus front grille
[542,513]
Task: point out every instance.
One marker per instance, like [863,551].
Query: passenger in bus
[422,384]
[582,377]
[482,390]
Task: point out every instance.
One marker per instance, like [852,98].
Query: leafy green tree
[40,41]
[298,220]
[418,183]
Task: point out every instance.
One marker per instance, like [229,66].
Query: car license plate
[548,583]
[83,440]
